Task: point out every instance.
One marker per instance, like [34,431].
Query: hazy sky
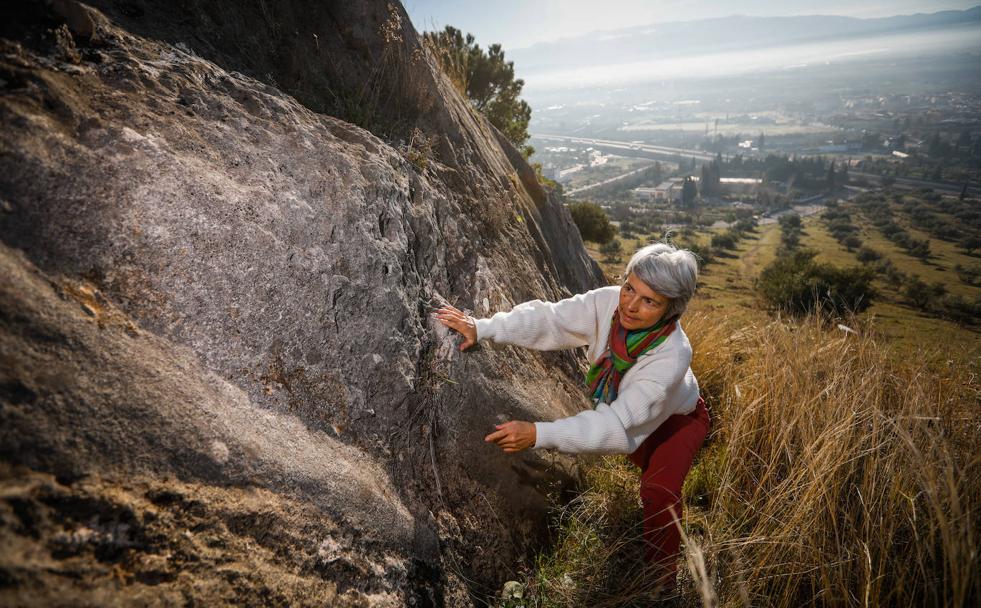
[521,23]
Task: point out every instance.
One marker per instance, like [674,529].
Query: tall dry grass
[839,472]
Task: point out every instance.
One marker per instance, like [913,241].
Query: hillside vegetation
[841,469]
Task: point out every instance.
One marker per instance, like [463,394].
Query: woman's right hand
[455,319]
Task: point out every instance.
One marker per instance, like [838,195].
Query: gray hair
[669,271]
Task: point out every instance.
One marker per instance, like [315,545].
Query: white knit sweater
[660,384]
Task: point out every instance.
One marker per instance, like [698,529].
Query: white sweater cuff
[485,329]
[543,436]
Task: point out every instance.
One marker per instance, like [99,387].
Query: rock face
[215,313]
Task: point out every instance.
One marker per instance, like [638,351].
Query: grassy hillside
[840,469]
[892,315]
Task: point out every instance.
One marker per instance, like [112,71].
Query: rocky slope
[221,381]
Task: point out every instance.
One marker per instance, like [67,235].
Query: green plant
[867,254]
[689,191]
[486,79]
[611,250]
[851,242]
[723,241]
[704,254]
[922,294]
[960,310]
[968,274]
[796,284]
[592,222]
[419,149]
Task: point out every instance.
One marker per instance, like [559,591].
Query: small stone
[219,451]
[513,590]
[329,551]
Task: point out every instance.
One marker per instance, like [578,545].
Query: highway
[670,153]
[673,153]
[606,181]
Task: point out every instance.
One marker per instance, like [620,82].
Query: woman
[646,399]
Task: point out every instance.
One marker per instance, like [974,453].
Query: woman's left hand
[513,436]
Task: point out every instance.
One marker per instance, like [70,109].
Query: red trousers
[664,459]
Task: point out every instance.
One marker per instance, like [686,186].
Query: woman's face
[640,306]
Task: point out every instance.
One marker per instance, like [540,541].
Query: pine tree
[487,80]
[706,178]
[688,192]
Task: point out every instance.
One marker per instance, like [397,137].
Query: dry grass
[836,474]
[597,560]
[839,475]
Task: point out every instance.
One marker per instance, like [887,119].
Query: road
[812,204]
[621,146]
[605,181]
[905,182]
[677,153]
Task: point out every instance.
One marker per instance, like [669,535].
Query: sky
[521,23]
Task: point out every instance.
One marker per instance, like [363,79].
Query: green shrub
[970,243]
[968,274]
[959,309]
[796,284]
[851,242]
[867,254]
[611,250]
[919,248]
[888,272]
[921,294]
[704,254]
[790,240]
[592,222]
[747,224]
[723,241]
[790,221]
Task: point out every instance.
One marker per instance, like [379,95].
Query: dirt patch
[178,542]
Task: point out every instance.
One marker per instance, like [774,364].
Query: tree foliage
[922,294]
[592,222]
[612,250]
[487,80]
[790,230]
[723,241]
[689,192]
[711,179]
[796,284]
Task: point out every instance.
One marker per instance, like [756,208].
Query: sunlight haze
[516,23]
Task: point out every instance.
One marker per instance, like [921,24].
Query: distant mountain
[724,34]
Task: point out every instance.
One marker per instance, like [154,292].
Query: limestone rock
[214,281]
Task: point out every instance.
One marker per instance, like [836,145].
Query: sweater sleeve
[605,429]
[641,403]
[542,325]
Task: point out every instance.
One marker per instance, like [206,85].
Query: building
[668,190]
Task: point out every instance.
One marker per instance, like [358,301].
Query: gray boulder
[219,291]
